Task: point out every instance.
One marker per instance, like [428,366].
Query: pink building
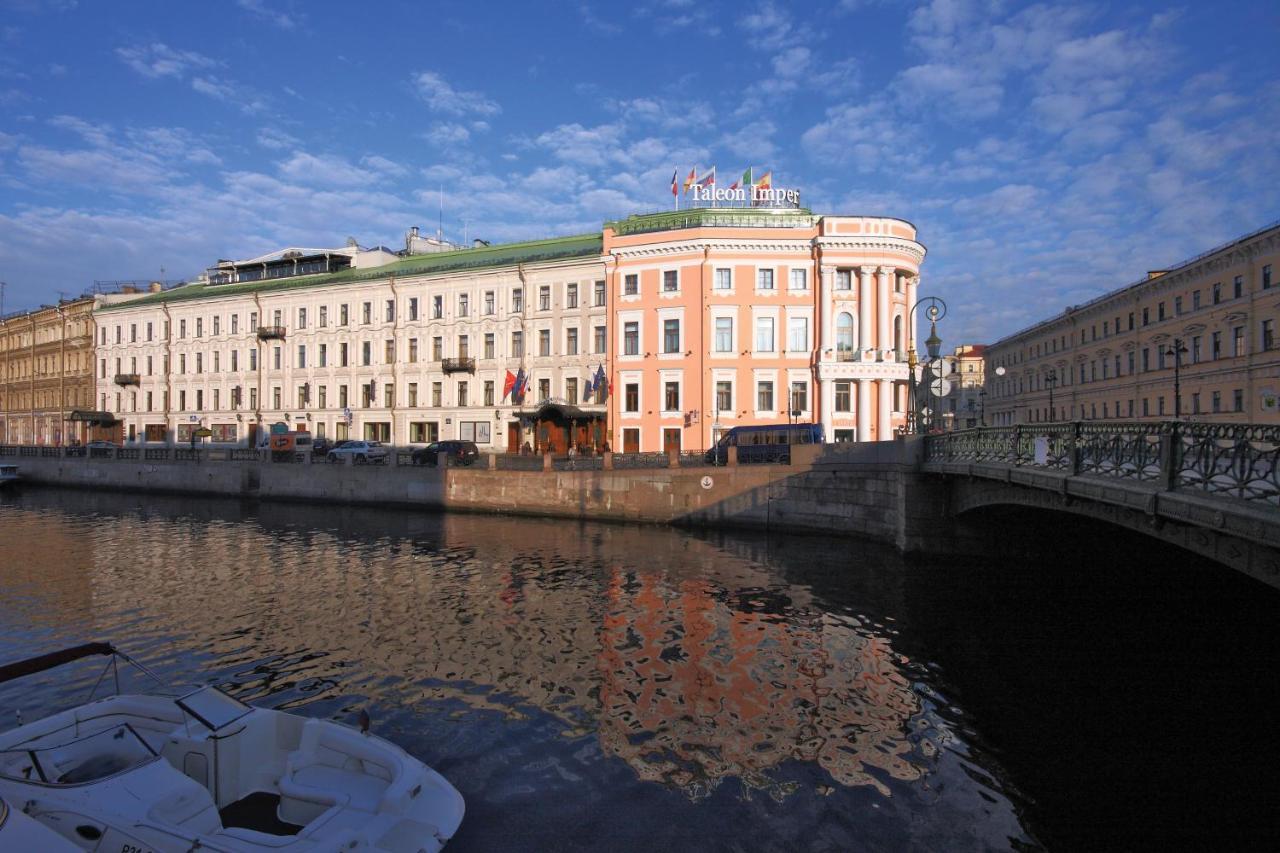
[729,317]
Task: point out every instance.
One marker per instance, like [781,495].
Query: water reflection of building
[693,667]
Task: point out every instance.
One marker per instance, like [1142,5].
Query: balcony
[124,379]
[271,333]
[458,365]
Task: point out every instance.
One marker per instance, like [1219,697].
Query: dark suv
[460,453]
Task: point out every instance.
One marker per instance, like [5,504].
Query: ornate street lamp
[1051,379]
[935,310]
[1176,350]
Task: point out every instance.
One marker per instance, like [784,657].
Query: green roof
[507,254]
[714,217]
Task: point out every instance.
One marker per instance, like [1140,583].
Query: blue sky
[1047,152]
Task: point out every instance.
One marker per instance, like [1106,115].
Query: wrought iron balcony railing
[271,333]
[123,379]
[458,365]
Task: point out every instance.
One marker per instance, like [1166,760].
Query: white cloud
[276,139]
[325,170]
[159,60]
[441,96]
[260,10]
[447,134]
[229,93]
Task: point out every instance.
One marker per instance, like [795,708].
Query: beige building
[1206,327]
[46,374]
[964,371]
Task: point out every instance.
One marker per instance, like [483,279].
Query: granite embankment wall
[872,490]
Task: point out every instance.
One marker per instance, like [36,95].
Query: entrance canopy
[563,414]
[104,419]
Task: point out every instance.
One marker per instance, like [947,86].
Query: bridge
[1211,488]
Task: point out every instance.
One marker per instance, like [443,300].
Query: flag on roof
[675,181]
[766,181]
[508,385]
[691,179]
[708,179]
[744,181]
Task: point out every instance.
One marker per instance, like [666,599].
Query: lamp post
[982,407]
[1176,350]
[935,310]
[1051,379]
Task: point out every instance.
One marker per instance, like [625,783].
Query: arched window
[844,336]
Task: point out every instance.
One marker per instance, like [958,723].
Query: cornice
[872,243]
[742,246]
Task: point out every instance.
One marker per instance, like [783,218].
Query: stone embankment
[871,490]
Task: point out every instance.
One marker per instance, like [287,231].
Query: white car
[362,452]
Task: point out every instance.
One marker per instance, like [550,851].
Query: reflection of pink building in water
[734,317]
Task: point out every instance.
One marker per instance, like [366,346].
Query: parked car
[460,453]
[361,452]
[321,447]
[101,444]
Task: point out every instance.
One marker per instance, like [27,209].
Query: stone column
[828,308]
[864,310]
[884,429]
[864,409]
[909,333]
[884,293]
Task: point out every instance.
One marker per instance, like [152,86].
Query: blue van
[766,443]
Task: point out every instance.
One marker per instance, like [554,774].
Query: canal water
[600,687]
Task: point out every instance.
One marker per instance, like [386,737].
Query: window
[544,297]
[1268,334]
[437,348]
[182,330]
[798,334]
[1266,277]
[764,334]
[600,340]
[1177,306]
[1237,341]
[724,334]
[571,296]
[413,308]
[517,344]
[1160,311]
[764,279]
[464,346]
[1216,403]
[631,397]
[488,392]
[799,279]
[1130,364]
[488,302]
[366,312]
[1237,286]
[544,390]
[844,402]
[724,279]
[1237,400]
[1131,321]
[149,328]
[1217,346]
[1195,403]
[323,362]
[671,336]
[302,357]
[670,281]
[671,399]
[631,338]
[544,342]
[764,396]
[631,284]
[437,307]
[344,315]
[366,353]
[462,393]
[200,327]
[724,395]
[413,394]
[799,396]
[1146,317]
[1146,362]
[489,346]
[571,342]
[517,300]
[389,351]
[844,279]
[253,359]
[413,350]
[302,320]
[343,356]
[1217,292]
[437,394]
[1195,300]
[322,397]
[464,305]
[599,294]
[343,399]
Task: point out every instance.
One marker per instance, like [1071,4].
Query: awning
[93,418]
[564,412]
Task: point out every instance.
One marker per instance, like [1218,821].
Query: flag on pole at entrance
[588,389]
[517,391]
[675,182]
[600,379]
[691,179]
[708,179]
[508,385]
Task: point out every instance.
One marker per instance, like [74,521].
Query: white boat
[8,475]
[202,770]
[19,832]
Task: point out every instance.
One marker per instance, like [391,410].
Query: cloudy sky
[1047,152]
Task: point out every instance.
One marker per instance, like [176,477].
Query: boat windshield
[213,708]
[87,759]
